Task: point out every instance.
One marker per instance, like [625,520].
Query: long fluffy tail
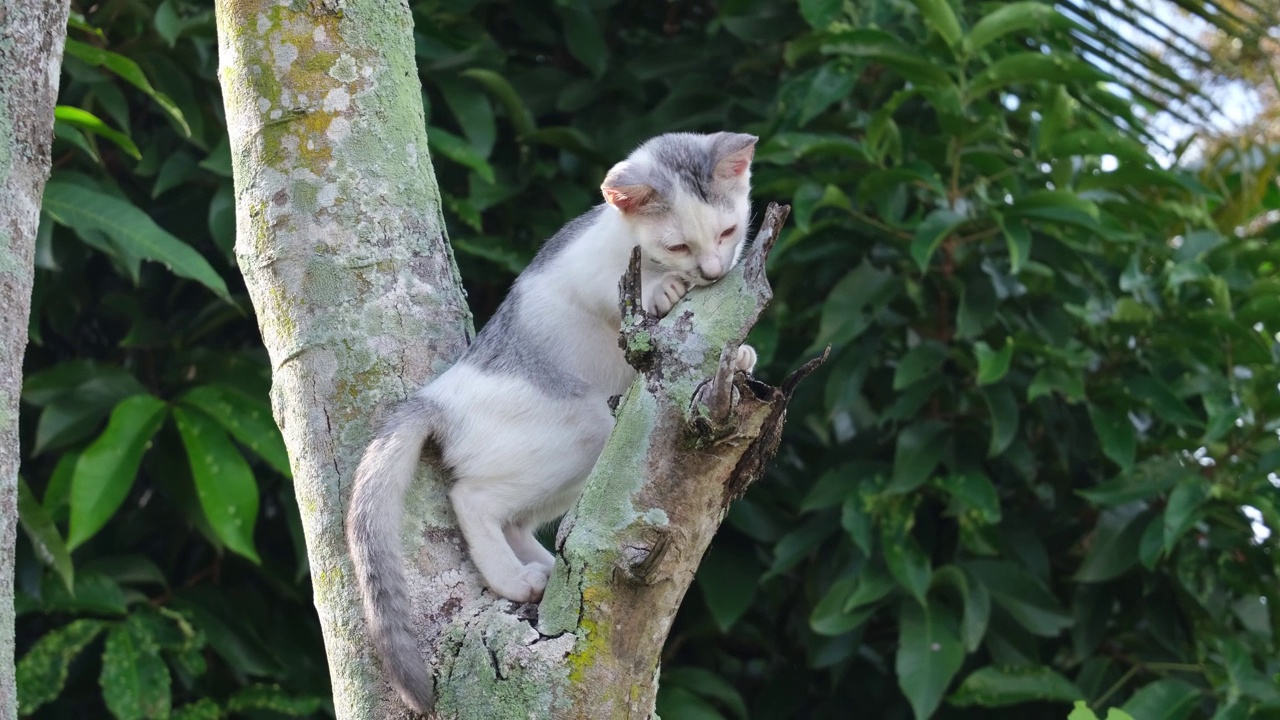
[373,536]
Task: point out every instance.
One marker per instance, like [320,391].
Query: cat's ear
[732,154]
[625,189]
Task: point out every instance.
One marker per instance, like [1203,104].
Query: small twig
[636,338]
[766,237]
[804,371]
[1125,678]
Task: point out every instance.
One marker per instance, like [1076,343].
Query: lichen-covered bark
[31,40]
[342,246]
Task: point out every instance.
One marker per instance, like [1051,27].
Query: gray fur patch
[689,160]
[504,348]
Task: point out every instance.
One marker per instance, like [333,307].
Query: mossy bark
[31,41]
[342,245]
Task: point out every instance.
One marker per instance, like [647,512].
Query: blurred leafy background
[1036,479]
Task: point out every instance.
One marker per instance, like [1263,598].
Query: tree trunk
[342,245]
[31,41]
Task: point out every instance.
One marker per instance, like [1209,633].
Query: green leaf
[918,451]
[907,563]
[977,604]
[820,13]
[1067,382]
[942,18]
[73,135]
[106,469]
[128,569]
[920,362]
[460,151]
[856,521]
[1167,699]
[1017,239]
[707,684]
[1113,549]
[932,231]
[728,577]
[1142,482]
[502,91]
[1010,18]
[795,545]
[202,709]
[583,37]
[1056,206]
[1182,510]
[1058,113]
[854,302]
[176,170]
[1002,686]
[679,703]
[247,419]
[1081,711]
[1115,433]
[993,365]
[135,681]
[89,122]
[45,538]
[42,672]
[1003,408]
[128,71]
[832,616]
[94,593]
[1021,595]
[167,23]
[1032,67]
[85,209]
[472,110]
[973,493]
[274,699]
[1167,406]
[225,485]
[829,84]
[929,656]
[1097,143]
[892,53]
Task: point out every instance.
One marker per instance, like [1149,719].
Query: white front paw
[527,586]
[746,360]
[666,294]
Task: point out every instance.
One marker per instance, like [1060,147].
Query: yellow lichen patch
[304,87]
[594,637]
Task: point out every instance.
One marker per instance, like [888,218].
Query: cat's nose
[711,269]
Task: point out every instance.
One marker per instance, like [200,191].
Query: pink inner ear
[628,198]
[736,164]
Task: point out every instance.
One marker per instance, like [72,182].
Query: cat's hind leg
[482,527]
[526,546]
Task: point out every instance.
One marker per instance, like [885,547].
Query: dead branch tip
[713,400]
[789,385]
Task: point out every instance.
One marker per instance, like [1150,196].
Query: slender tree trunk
[31,40]
[342,245]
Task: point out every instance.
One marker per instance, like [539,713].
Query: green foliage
[1021,480]
[149,448]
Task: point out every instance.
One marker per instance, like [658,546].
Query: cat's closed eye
[728,231]
[679,249]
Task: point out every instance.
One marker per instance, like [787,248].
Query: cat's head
[687,197]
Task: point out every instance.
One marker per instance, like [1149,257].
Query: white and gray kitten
[522,417]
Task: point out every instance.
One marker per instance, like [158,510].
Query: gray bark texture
[31,41]
[342,245]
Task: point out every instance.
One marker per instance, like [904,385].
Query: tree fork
[342,246]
